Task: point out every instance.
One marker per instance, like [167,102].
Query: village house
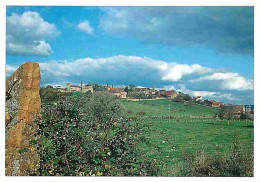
[217,104]
[79,88]
[57,87]
[73,88]
[144,90]
[87,88]
[171,94]
[118,92]
[49,87]
[153,91]
[238,110]
[198,98]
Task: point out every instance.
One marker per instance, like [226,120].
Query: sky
[201,51]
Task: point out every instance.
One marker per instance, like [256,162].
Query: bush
[230,164]
[87,136]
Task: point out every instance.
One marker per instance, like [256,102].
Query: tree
[102,106]
[229,112]
[88,135]
[226,111]
[97,87]
[129,88]
[179,98]
[186,97]
[221,112]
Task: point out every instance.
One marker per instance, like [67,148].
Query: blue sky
[204,51]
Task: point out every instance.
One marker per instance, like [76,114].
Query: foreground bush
[230,164]
[88,136]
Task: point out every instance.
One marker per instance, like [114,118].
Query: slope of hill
[176,136]
[166,108]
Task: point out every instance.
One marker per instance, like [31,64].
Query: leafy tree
[221,112]
[97,87]
[245,115]
[129,88]
[179,98]
[226,111]
[229,112]
[88,135]
[186,97]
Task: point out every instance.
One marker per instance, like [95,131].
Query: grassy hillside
[174,137]
[166,108]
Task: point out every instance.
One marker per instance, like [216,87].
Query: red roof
[168,92]
[116,89]
[217,104]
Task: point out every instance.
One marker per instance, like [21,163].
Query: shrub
[87,136]
[234,163]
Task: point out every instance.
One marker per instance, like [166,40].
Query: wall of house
[75,89]
[88,88]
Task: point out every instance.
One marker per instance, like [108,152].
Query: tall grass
[233,164]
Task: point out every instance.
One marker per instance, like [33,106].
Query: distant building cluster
[136,93]
[79,88]
[118,92]
[73,88]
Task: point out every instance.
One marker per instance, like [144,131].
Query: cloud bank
[143,71]
[28,33]
[225,29]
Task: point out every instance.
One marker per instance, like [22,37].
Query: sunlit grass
[177,136]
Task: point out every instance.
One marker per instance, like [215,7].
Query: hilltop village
[134,93]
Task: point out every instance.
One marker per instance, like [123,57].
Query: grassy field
[174,137]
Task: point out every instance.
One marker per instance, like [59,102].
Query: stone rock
[23,106]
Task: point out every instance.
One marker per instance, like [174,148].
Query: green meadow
[172,137]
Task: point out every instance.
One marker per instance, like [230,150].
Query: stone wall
[23,106]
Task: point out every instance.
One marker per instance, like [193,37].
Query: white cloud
[174,72]
[125,69]
[219,96]
[86,27]
[195,80]
[28,33]
[139,70]
[9,69]
[40,48]
[226,81]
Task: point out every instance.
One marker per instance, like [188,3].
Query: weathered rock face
[23,106]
